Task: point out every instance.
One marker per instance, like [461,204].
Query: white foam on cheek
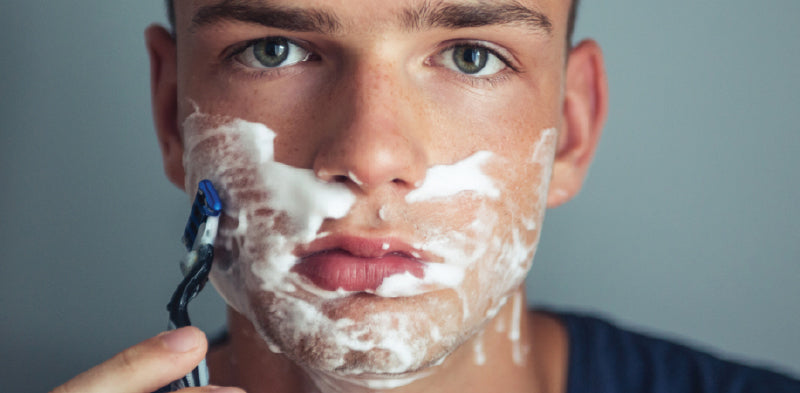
[514,332]
[508,256]
[297,195]
[478,350]
[295,191]
[543,155]
[448,180]
[521,250]
[442,181]
[306,199]
[436,276]
[463,249]
[500,324]
[544,148]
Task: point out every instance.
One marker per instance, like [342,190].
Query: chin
[361,335]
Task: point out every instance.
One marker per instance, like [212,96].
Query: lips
[357,264]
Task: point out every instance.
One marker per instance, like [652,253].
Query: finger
[144,367]
[212,389]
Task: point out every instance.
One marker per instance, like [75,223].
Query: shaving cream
[410,323]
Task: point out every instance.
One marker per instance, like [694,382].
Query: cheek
[503,233]
[522,206]
[483,214]
[298,103]
[269,207]
[225,159]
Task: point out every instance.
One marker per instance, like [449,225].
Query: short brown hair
[573,14]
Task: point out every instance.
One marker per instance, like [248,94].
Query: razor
[198,237]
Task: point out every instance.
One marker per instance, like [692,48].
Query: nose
[377,139]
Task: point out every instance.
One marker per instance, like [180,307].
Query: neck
[516,351]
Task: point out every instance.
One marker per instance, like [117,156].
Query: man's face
[401,199]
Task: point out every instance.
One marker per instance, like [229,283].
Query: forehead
[341,16]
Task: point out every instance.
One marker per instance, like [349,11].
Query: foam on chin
[271,208]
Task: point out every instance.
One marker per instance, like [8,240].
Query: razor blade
[206,204]
[201,227]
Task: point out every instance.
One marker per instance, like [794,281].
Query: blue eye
[273,52]
[473,60]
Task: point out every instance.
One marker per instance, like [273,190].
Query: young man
[384,169]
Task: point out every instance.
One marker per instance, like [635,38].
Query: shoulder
[605,358]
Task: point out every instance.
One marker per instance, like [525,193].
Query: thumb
[144,367]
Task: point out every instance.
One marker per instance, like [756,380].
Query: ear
[164,96]
[584,112]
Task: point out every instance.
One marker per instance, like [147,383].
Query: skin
[374,109]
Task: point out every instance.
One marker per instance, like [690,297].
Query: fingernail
[223,389]
[180,340]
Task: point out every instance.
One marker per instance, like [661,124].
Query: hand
[147,366]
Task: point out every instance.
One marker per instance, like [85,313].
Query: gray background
[688,225]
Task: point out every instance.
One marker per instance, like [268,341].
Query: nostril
[340,179]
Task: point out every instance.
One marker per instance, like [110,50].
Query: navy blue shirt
[606,359]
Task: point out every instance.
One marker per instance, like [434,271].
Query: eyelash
[230,55]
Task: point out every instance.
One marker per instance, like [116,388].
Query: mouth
[358,264]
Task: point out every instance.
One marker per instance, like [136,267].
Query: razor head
[206,204]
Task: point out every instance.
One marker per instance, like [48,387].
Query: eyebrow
[426,16]
[285,18]
[482,13]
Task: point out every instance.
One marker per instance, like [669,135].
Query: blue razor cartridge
[206,204]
